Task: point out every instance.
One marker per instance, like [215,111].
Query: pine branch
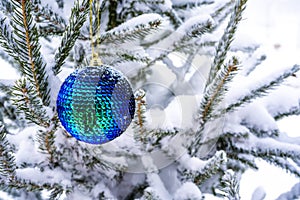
[136,191]
[27,101]
[152,2]
[283,164]
[194,31]
[221,13]
[174,18]
[267,149]
[258,61]
[218,17]
[7,160]
[139,120]
[126,33]
[56,190]
[260,132]
[191,4]
[211,168]
[46,140]
[6,7]
[259,91]
[9,59]
[229,186]
[49,22]
[5,88]
[113,15]
[247,160]
[72,32]
[7,41]
[226,40]
[27,40]
[290,112]
[115,56]
[215,92]
[150,138]
[150,194]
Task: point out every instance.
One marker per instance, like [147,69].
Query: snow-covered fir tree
[204,110]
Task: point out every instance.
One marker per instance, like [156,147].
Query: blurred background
[275,24]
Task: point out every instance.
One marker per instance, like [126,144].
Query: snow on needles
[188,191]
[142,19]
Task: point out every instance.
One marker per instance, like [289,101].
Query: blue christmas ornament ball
[96,104]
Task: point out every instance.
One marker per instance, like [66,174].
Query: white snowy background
[275,24]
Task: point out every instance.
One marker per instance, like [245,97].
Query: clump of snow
[148,164]
[192,163]
[256,115]
[259,194]
[166,6]
[157,186]
[26,145]
[187,191]
[276,102]
[179,113]
[46,176]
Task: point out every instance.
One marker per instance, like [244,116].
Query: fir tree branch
[211,168]
[195,31]
[72,32]
[151,2]
[6,7]
[5,88]
[174,18]
[222,12]
[191,4]
[260,91]
[139,121]
[46,140]
[213,94]
[7,160]
[257,63]
[112,10]
[49,22]
[125,33]
[290,112]
[229,186]
[247,160]
[26,100]
[226,40]
[116,56]
[136,191]
[267,148]
[29,49]
[56,189]
[283,164]
[7,41]
[260,132]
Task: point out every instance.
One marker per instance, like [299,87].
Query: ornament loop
[95,61]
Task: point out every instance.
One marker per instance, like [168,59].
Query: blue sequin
[96,104]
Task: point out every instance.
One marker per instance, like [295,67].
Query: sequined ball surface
[96,104]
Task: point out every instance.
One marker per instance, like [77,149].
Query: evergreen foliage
[149,162]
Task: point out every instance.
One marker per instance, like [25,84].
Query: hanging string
[95,61]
